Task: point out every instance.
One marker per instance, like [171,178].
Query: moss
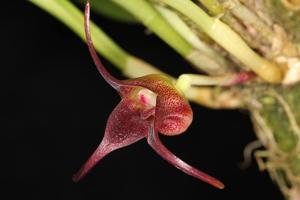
[294,163]
[278,121]
[292,96]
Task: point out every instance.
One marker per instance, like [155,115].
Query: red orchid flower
[150,104]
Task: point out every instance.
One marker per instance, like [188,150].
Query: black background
[55,109]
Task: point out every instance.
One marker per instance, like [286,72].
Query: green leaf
[111,10]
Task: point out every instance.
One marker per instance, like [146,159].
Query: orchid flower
[150,105]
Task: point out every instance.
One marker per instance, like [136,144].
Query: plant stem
[143,11]
[136,67]
[111,10]
[228,39]
[249,18]
[184,30]
[214,98]
[154,21]
[212,62]
[72,17]
[185,81]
